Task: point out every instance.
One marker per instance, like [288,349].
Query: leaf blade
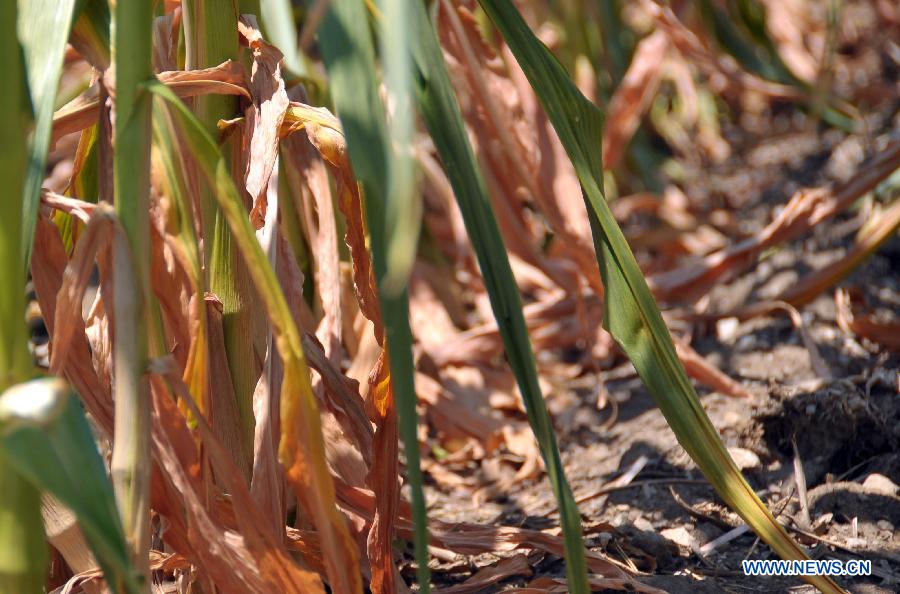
[43,27]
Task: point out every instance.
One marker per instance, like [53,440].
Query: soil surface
[843,432]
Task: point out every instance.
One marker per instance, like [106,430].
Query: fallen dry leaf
[851,317]
[725,74]
[706,373]
[790,25]
[488,576]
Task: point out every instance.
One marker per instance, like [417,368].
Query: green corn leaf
[349,56]
[630,313]
[280,28]
[440,111]
[281,31]
[403,205]
[43,27]
[46,439]
[618,40]
[732,38]
[91,32]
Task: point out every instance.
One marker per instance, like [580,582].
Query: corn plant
[208,320]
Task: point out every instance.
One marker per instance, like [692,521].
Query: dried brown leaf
[488,576]
[341,394]
[851,317]
[227,78]
[429,316]
[520,441]
[342,397]
[269,102]
[363,273]
[275,567]
[166,29]
[308,178]
[725,75]
[474,539]
[554,322]
[305,468]
[559,197]
[325,134]
[507,144]
[880,226]
[267,484]
[708,374]
[222,407]
[597,583]
[77,208]
[96,237]
[453,417]
[383,478]
[789,26]
[633,96]
[219,553]
[171,286]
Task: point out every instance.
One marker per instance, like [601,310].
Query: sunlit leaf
[43,27]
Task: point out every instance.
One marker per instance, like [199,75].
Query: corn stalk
[130,467]
[23,551]
[301,449]
[210,33]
